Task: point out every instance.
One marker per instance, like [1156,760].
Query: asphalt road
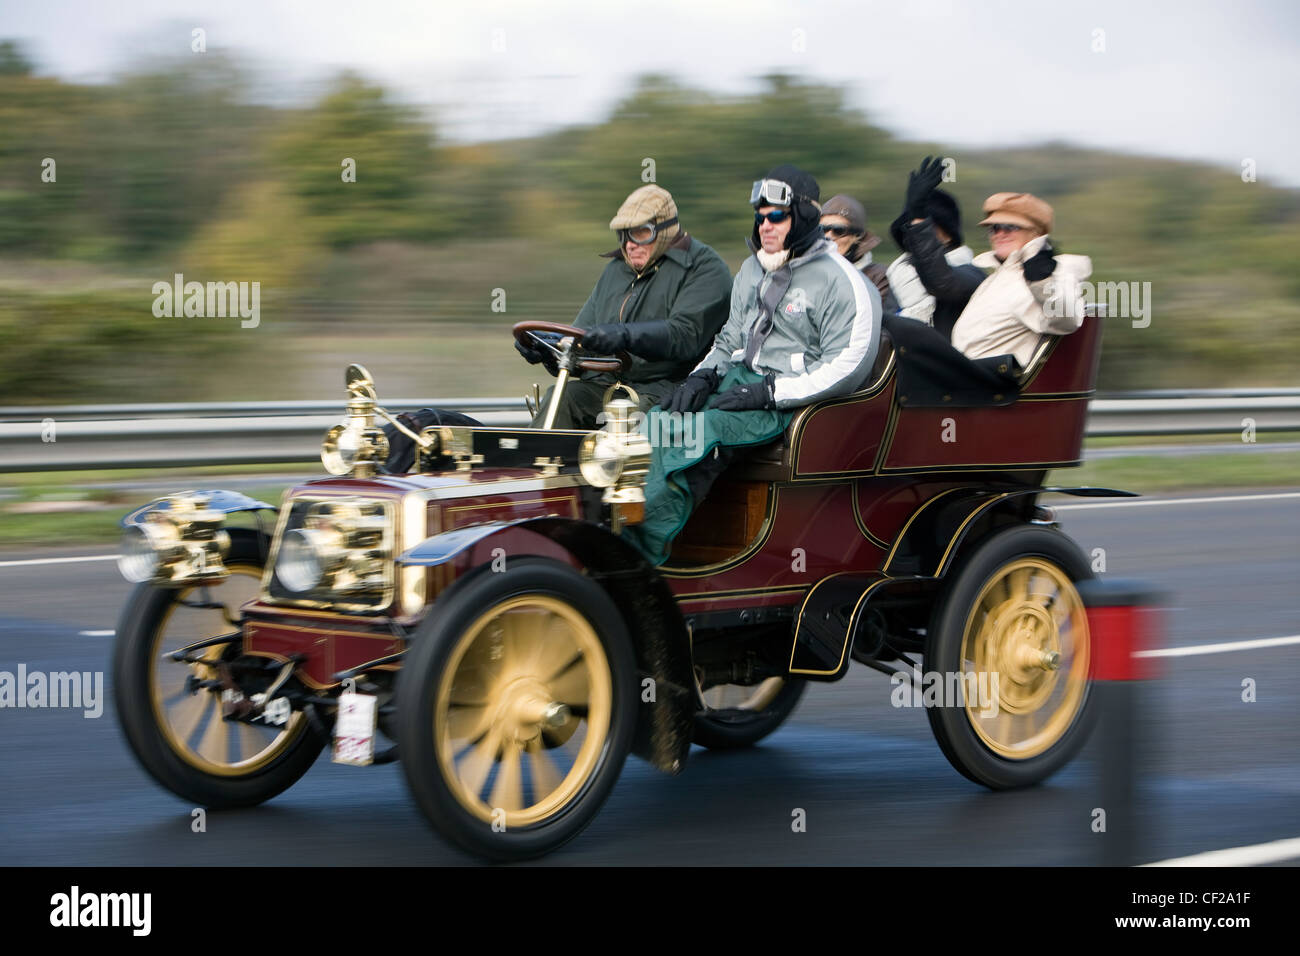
[872,782]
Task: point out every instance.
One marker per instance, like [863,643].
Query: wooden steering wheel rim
[521,329]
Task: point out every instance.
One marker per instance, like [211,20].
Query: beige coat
[1006,314]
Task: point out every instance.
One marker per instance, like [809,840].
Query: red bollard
[1123,620]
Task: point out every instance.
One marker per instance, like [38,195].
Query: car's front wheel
[516,708]
[1011,632]
[171,711]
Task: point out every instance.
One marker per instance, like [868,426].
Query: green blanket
[680,441]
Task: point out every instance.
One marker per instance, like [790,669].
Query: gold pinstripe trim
[893,549]
[801,420]
[962,527]
[988,466]
[861,522]
[572,499]
[1056,396]
[848,631]
[739,592]
[735,561]
[887,439]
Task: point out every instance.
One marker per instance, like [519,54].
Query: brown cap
[849,208]
[1018,209]
[648,204]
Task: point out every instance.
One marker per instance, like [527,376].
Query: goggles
[772,192]
[645,233]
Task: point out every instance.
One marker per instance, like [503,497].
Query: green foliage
[143,161]
[393,195]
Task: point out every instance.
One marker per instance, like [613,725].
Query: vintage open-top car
[486,614]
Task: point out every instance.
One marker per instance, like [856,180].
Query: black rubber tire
[432,648]
[136,630]
[734,730]
[952,729]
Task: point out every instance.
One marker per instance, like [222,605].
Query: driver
[662,298]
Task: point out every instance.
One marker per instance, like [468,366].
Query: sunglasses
[996,227]
[838,232]
[775,216]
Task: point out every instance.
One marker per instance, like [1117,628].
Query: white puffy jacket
[1006,314]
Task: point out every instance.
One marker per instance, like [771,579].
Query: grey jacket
[825,332]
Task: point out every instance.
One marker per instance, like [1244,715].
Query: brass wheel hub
[526,709]
[1024,642]
[1029,631]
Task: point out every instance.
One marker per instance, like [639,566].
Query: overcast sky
[1218,81]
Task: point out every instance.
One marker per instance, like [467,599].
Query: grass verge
[1143,474]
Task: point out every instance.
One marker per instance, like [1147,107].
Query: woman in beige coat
[1031,292]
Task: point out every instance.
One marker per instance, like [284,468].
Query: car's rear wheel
[174,725]
[741,715]
[516,708]
[1012,631]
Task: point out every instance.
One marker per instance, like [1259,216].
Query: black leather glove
[535,356]
[691,395]
[606,339]
[1040,265]
[920,183]
[747,398]
[648,340]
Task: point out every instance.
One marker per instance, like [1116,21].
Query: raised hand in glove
[538,355]
[1040,265]
[920,183]
[606,339]
[747,398]
[691,395]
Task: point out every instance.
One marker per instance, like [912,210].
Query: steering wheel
[522,333]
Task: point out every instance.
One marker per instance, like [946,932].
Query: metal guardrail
[89,437]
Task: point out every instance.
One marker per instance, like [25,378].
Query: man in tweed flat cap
[662,298]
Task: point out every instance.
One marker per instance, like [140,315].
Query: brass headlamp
[356,445]
[617,458]
[343,546]
[181,540]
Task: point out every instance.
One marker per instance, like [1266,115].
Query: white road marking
[96,633]
[1152,502]
[31,561]
[1274,852]
[1189,650]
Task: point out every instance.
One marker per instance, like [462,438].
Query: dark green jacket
[689,286]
